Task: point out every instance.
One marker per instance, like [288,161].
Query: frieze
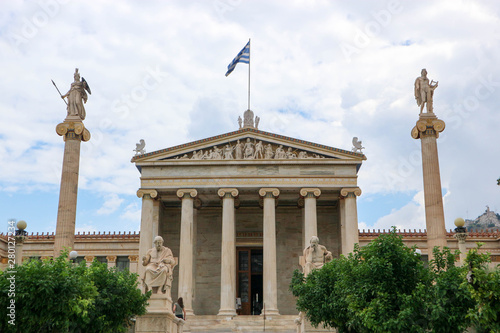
[248,150]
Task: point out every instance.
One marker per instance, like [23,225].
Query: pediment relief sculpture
[248,149]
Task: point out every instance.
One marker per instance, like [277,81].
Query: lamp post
[73,255]
[20,237]
[461,235]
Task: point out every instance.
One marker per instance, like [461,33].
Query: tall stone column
[310,216]
[270,279]
[228,253]
[343,237]
[427,130]
[186,248]
[73,133]
[146,236]
[351,217]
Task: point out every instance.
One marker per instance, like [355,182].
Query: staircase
[245,324]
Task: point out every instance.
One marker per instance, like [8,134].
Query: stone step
[246,324]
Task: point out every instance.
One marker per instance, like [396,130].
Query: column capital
[350,192]
[222,192]
[460,236]
[133,258]
[111,258]
[310,191]
[427,125]
[89,259]
[273,191]
[142,192]
[187,192]
[73,130]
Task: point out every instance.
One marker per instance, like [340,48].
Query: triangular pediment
[247,144]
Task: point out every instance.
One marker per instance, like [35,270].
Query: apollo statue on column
[424,91]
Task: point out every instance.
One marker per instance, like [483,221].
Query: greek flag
[243,56]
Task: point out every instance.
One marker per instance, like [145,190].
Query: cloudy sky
[322,71]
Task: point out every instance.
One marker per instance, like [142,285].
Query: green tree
[384,287]
[58,296]
[484,286]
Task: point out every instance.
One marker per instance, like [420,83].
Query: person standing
[179,309]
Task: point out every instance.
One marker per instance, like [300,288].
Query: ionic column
[133,263]
[351,217]
[342,225]
[270,280]
[111,261]
[228,253]
[89,260]
[427,130]
[73,133]
[310,216]
[146,236]
[186,248]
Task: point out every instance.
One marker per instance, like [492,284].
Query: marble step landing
[245,324]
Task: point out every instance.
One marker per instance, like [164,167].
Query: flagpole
[249,60]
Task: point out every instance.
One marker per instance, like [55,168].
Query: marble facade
[247,189]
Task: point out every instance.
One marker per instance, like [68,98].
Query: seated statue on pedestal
[160,264]
[315,256]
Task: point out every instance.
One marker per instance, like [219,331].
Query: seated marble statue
[160,264]
[315,256]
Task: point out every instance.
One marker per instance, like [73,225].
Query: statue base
[160,303]
[75,119]
[165,322]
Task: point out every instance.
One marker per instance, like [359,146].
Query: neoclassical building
[239,208]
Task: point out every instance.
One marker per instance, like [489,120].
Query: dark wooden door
[249,280]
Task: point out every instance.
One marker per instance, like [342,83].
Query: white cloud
[111,203]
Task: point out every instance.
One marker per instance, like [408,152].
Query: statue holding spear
[77,96]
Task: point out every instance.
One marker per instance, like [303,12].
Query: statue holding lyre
[424,91]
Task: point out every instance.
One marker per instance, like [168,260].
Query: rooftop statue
[160,264]
[77,96]
[424,91]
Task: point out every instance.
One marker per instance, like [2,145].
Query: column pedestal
[270,279]
[228,253]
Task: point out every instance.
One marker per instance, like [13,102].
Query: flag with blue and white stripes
[243,56]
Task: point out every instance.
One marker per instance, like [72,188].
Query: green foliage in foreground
[385,287]
[58,296]
[484,286]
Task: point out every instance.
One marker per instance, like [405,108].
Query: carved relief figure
[269,151]
[238,149]
[77,96]
[239,121]
[290,153]
[315,256]
[160,264]
[249,149]
[279,153]
[259,148]
[228,152]
[424,91]
[217,154]
[303,154]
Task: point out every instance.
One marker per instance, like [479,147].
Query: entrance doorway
[249,280]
